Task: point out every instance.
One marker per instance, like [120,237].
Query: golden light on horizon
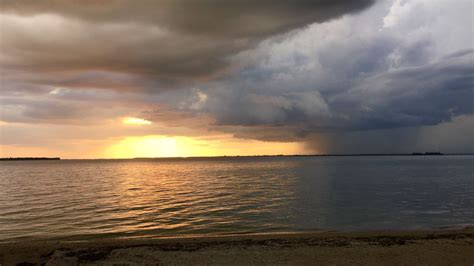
[157,146]
[180,146]
[136,121]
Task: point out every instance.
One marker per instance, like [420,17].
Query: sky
[165,78]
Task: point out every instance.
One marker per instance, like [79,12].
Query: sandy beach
[440,247]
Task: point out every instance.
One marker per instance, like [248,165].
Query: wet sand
[440,247]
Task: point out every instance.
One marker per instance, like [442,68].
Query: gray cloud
[449,137]
[412,96]
[425,95]
[54,110]
[148,53]
[166,42]
[358,79]
[387,79]
[229,19]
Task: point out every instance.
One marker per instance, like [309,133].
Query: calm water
[87,199]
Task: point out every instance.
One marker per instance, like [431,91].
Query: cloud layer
[165,41]
[229,19]
[313,71]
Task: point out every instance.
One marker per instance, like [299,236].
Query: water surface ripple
[89,199]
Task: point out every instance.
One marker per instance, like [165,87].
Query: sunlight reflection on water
[138,198]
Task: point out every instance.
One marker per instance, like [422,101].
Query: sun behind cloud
[182,146]
[157,146]
[136,121]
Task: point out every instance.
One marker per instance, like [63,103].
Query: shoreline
[227,157]
[443,246]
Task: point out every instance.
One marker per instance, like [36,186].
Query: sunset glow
[186,78]
[136,121]
[198,131]
[164,146]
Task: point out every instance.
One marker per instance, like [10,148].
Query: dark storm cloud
[372,82]
[166,41]
[351,75]
[150,53]
[54,110]
[227,19]
[449,137]
[411,96]
[425,95]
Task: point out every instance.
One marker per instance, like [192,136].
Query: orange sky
[65,144]
[188,78]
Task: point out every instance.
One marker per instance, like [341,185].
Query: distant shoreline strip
[241,157]
[29,158]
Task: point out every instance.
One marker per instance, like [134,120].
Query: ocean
[96,199]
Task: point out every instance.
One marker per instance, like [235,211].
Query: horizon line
[241,156]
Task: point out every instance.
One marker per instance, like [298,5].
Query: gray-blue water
[88,199]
